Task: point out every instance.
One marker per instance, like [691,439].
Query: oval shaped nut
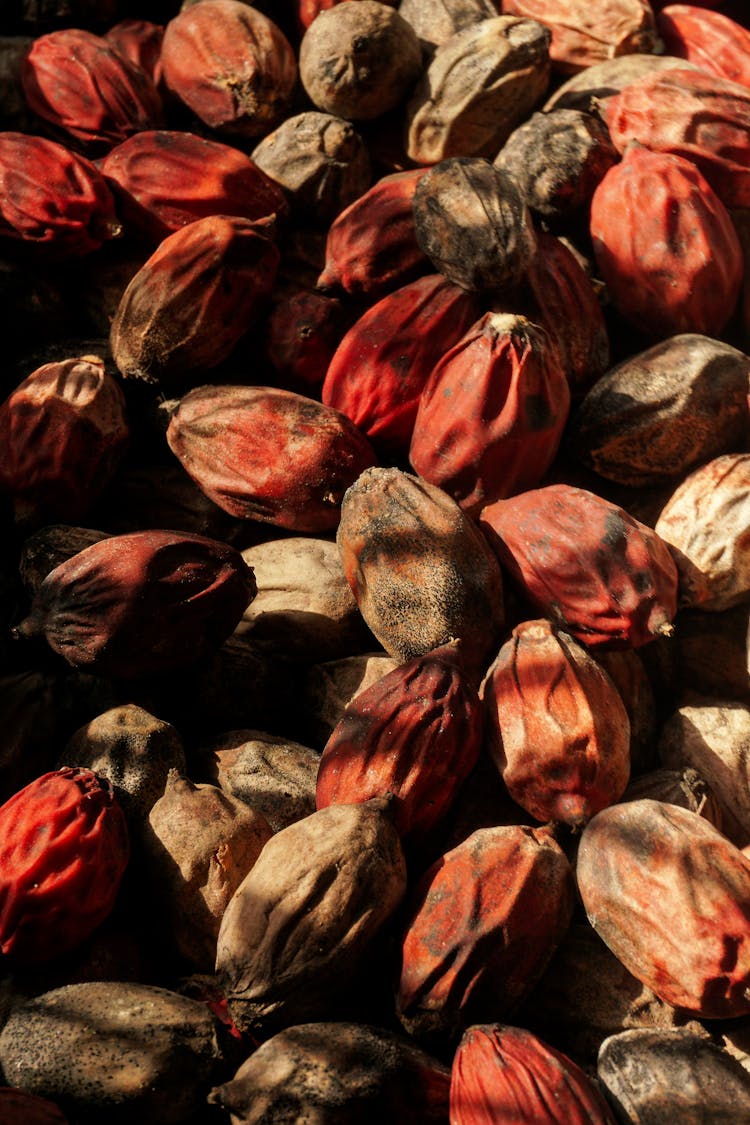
[711,40]
[480,84]
[670,895]
[436,21]
[591,88]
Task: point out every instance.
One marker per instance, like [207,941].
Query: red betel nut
[63,851]
[711,40]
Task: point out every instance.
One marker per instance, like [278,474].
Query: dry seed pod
[713,737]
[200,845]
[436,21]
[359,60]
[653,1077]
[682,786]
[669,894]
[586,563]
[501,1072]
[319,160]
[583,35]
[590,89]
[132,605]
[482,923]
[134,750]
[707,522]
[304,607]
[558,159]
[658,414]
[492,413]
[302,331]
[557,728]
[473,225]
[140,41]
[63,432]
[231,65]
[330,687]
[478,87]
[303,920]
[415,734]
[269,773]
[337,1074]
[194,298]
[420,570]
[711,40]
[48,547]
[268,454]
[113,1051]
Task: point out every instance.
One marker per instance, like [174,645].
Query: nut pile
[375,562]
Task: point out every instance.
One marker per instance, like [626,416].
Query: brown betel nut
[415,734]
[231,65]
[302,922]
[359,60]
[480,84]
[347,1073]
[165,179]
[379,369]
[63,432]
[706,521]
[194,298]
[80,84]
[557,728]
[136,604]
[660,413]
[670,895]
[567,306]
[17,1107]
[473,224]
[507,1072]
[590,89]
[482,923]
[699,116]
[492,412]
[435,21]
[584,34]
[53,199]
[711,40]
[371,247]
[420,570]
[665,245]
[65,849]
[269,454]
[586,563]
[50,545]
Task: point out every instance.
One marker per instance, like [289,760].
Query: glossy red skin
[64,847]
[711,40]
[665,246]
[79,83]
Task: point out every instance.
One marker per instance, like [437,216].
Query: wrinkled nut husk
[558,159]
[557,728]
[337,1074]
[272,774]
[712,735]
[64,432]
[654,1077]
[669,894]
[590,89]
[113,1050]
[329,688]
[131,748]
[436,21]
[416,735]
[195,297]
[302,922]
[231,65]
[660,413]
[319,160]
[707,523]
[304,606]
[482,924]
[583,35]
[140,41]
[682,786]
[359,60]
[500,1072]
[473,225]
[480,84]
[269,454]
[711,40]
[420,570]
[48,547]
[586,994]
[201,843]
